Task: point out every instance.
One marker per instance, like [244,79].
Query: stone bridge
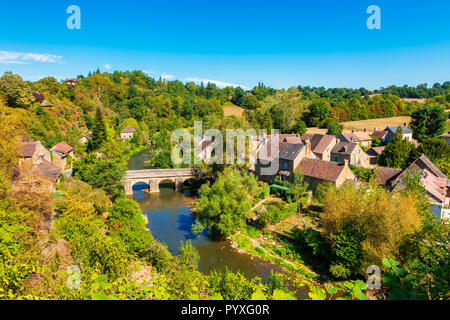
[153,177]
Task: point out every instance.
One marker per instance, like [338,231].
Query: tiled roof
[434,185]
[320,169]
[320,142]
[49,170]
[291,138]
[28,149]
[62,147]
[433,179]
[379,134]
[344,147]
[355,137]
[385,176]
[375,151]
[202,146]
[129,129]
[290,151]
[422,163]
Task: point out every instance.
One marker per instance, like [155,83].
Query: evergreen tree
[398,152]
[428,122]
[99,131]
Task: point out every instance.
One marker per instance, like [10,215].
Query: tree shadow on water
[185,223]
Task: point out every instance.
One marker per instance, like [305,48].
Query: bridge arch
[167,183]
[140,185]
[153,177]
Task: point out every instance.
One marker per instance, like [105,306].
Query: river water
[170,221]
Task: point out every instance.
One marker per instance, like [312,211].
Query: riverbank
[267,248]
[133,151]
[276,244]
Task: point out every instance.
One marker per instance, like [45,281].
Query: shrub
[126,209]
[276,212]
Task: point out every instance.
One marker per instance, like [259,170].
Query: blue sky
[282,43]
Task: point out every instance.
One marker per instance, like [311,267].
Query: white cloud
[168,76]
[218,83]
[23,58]
[107,66]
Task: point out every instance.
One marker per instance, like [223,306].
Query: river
[170,221]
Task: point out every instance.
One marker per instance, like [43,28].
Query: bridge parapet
[157,173]
[153,176]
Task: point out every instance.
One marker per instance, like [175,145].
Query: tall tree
[15,91]
[319,110]
[99,131]
[428,122]
[398,152]
[224,205]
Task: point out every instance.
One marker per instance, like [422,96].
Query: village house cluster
[326,158]
[49,164]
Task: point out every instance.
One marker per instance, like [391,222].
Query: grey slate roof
[290,151]
[393,129]
[344,147]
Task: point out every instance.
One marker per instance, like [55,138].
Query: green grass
[252,232]
[242,241]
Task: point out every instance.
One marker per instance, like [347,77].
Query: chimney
[345,163]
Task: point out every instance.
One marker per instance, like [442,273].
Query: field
[230,109]
[380,124]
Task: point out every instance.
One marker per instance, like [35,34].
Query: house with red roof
[61,153]
[128,133]
[316,171]
[435,182]
[38,159]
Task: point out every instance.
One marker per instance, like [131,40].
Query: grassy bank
[134,150]
[273,244]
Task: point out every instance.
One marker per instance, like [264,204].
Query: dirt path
[261,202]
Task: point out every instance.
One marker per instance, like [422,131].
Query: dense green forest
[89,221]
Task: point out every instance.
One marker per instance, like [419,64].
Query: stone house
[321,144]
[86,137]
[350,152]
[128,133]
[362,138]
[374,153]
[289,158]
[285,159]
[60,153]
[204,149]
[37,159]
[436,183]
[34,153]
[380,134]
[385,177]
[316,171]
[390,131]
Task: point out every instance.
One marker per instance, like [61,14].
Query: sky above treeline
[281,43]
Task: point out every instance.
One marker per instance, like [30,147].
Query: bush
[313,241]
[126,209]
[276,212]
[265,192]
[322,190]
[339,271]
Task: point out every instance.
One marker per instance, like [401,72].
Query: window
[336,159]
[285,165]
